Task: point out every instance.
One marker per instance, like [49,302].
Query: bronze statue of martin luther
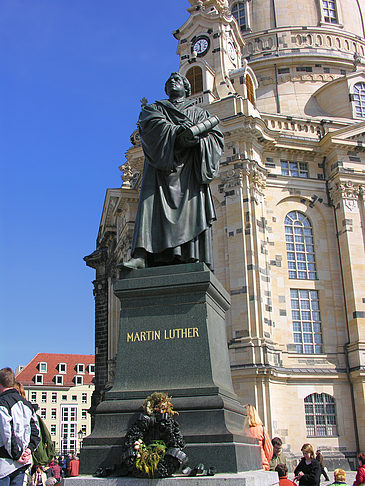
[182,145]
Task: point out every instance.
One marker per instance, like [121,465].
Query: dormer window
[79,380]
[329,11]
[91,369]
[80,368]
[42,367]
[62,368]
[38,379]
[58,379]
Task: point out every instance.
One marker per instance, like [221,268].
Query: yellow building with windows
[288,84]
[61,385]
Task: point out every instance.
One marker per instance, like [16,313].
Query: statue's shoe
[134,263]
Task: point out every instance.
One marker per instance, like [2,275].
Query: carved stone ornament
[235,178]
[348,192]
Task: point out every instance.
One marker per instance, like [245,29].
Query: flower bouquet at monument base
[153,444]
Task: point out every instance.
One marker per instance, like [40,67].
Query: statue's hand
[185,139]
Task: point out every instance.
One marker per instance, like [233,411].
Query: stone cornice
[347,192]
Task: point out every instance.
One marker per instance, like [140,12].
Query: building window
[359,99]
[84,398]
[58,379]
[53,413]
[329,11]
[239,13]
[83,429]
[53,429]
[306,316]
[294,169]
[80,368]
[54,397]
[44,397]
[33,397]
[195,78]
[250,89]
[62,368]
[43,413]
[78,380]
[38,379]
[84,414]
[300,247]
[43,367]
[320,415]
[64,397]
[74,398]
[91,368]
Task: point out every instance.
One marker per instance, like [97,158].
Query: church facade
[288,84]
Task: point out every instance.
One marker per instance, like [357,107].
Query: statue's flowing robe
[175,209]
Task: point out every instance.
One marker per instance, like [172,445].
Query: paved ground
[350,478]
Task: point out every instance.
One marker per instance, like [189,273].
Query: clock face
[231,51]
[201,45]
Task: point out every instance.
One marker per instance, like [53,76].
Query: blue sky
[72,73]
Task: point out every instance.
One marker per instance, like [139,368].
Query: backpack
[45,451]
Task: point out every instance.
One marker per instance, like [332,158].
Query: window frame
[80,368]
[354,100]
[84,397]
[79,378]
[53,429]
[44,397]
[43,413]
[38,379]
[33,397]
[42,364]
[327,402]
[300,248]
[91,369]
[247,24]
[293,167]
[60,368]
[54,397]
[53,413]
[306,321]
[324,22]
[58,379]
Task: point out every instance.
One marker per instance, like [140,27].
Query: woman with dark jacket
[308,471]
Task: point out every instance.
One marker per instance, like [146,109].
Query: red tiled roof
[26,376]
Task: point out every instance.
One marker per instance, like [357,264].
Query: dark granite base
[173,339]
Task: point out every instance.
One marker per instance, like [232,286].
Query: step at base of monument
[248,478]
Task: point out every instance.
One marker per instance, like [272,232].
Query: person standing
[308,471]
[254,427]
[39,477]
[278,456]
[360,475]
[19,431]
[73,467]
[319,458]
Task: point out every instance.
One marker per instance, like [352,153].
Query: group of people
[51,475]
[309,469]
[21,437]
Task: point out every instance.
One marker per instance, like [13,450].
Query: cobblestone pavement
[350,478]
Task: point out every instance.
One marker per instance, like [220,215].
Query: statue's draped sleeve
[175,204]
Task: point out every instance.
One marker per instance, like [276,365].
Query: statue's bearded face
[175,86]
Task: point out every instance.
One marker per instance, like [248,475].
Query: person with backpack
[46,450]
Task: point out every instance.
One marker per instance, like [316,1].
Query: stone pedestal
[172,338]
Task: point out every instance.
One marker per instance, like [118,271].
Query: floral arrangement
[153,444]
[148,456]
[159,403]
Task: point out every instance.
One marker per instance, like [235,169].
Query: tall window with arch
[239,13]
[250,89]
[320,415]
[329,11]
[358,97]
[195,78]
[300,247]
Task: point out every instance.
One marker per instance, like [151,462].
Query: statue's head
[177,86]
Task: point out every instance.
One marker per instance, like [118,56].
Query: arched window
[299,246]
[320,415]
[250,89]
[306,316]
[195,78]
[359,99]
[329,11]
[239,13]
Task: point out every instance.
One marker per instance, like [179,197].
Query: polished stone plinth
[172,338]
[249,478]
